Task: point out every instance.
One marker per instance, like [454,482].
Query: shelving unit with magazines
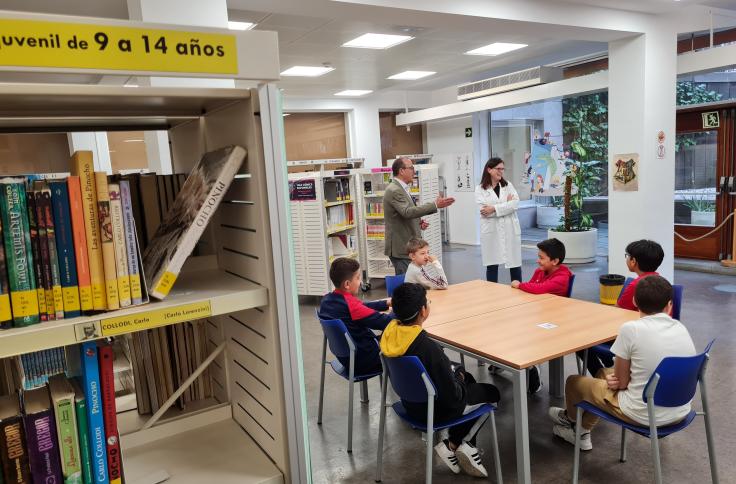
[239,285]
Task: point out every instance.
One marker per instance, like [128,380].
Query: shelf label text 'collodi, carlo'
[152,319]
[37,43]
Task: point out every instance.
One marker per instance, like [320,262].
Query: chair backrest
[405,374]
[626,284]
[392,282]
[337,337]
[569,286]
[677,379]
[677,291]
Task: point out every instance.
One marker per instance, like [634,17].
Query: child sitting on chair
[359,317]
[639,348]
[424,269]
[552,276]
[456,389]
[643,258]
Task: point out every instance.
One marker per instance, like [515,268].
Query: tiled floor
[707,312]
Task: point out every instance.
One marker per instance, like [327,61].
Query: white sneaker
[559,416]
[568,434]
[470,461]
[447,456]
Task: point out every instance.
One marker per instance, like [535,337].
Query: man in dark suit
[402,216]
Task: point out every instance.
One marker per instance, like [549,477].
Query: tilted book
[46,207]
[43,242]
[104,217]
[109,413]
[18,252]
[184,222]
[43,446]
[36,251]
[80,243]
[118,238]
[65,248]
[13,450]
[62,398]
[85,450]
[95,424]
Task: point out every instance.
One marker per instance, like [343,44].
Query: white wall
[445,138]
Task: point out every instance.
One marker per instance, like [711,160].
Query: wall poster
[544,168]
[463,164]
[302,190]
[626,172]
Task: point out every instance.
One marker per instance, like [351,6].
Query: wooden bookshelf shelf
[337,230]
[339,202]
[352,255]
[374,217]
[374,195]
[195,295]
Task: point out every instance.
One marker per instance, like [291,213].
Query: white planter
[580,247]
[707,219]
[549,217]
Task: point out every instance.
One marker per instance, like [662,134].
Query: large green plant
[584,174]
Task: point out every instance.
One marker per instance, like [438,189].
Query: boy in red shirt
[552,277]
[643,258]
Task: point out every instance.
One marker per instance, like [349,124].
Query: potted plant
[576,226]
[702,211]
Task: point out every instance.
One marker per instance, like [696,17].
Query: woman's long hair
[485,180]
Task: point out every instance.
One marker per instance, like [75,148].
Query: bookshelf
[254,430]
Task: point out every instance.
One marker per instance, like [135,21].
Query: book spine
[80,407]
[76,210]
[65,248]
[112,438]
[121,252]
[23,296]
[36,251]
[82,166]
[6,315]
[53,254]
[45,262]
[14,452]
[96,426]
[66,429]
[108,245]
[43,451]
[131,243]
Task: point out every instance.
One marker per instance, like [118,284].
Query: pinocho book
[187,219]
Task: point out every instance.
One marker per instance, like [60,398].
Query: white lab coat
[500,233]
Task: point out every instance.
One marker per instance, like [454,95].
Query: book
[142,395]
[121,251]
[41,439]
[106,236]
[112,438]
[36,251]
[81,255]
[13,450]
[184,223]
[65,248]
[83,167]
[95,423]
[152,215]
[18,252]
[63,401]
[45,261]
[131,243]
[134,187]
[6,315]
[46,207]
[80,410]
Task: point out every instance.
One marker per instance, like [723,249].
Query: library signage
[36,43]
[302,190]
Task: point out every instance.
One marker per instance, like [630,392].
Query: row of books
[337,190]
[376,231]
[339,216]
[66,430]
[374,209]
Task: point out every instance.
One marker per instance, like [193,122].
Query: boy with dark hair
[359,317]
[639,348]
[456,389]
[424,268]
[552,276]
[643,258]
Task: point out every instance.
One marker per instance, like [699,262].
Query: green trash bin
[611,286]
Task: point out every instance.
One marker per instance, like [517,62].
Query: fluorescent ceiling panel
[377,41]
[307,71]
[497,48]
[411,75]
[353,92]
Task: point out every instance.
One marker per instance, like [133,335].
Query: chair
[392,282]
[410,381]
[569,287]
[672,384]
[343,346]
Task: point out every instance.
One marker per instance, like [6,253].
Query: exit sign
[468,132]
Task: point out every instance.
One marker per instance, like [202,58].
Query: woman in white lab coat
[500,232]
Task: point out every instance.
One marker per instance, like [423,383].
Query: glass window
[695,178]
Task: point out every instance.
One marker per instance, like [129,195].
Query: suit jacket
[401,216]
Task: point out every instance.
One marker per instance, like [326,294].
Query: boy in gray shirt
[424,269]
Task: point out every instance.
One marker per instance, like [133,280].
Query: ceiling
[654,6]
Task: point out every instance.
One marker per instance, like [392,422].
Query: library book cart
[254,428]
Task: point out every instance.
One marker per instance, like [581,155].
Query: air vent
[509,82]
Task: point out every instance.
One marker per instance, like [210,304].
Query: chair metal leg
[580,365]
[578,431]
[430,442]
[496,454]
[462,359]
[655,457]
[381,428]
[364,391]
[322,381]
[623,445]
[585,362]
[709,432]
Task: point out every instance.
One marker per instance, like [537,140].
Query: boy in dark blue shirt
[360,318]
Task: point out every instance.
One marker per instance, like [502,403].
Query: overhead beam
[715,58]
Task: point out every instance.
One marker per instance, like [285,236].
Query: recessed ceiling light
[134,140]
[286,114]
[240,25]
[377,41]
[130,85]
[353,92]
[497,48]
[307,71]
[411,75]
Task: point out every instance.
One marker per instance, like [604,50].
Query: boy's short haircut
[652,294]
[648,254]
[408,299]
[553,248]
[414,244]
[342,269]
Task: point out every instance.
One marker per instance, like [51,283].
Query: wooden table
[508,334]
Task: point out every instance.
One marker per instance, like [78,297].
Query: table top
[511,335]
[474,298]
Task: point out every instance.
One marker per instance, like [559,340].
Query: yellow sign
[155,318]
[34,43]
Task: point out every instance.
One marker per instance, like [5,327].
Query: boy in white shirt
[639,348]
[424,269]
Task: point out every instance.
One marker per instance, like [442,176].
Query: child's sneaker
[568,434]
[469,459]
[447,456]
[559,416]
[534,383]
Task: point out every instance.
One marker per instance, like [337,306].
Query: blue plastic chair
[342,346]
[672,384]
[569,287]
[410,381]
[392,282]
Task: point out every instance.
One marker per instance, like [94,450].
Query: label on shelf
[152,319]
